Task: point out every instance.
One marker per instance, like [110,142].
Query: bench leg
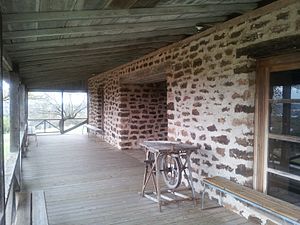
[202,198]
[220,199]
[157,173]
[36,141]
[188,158]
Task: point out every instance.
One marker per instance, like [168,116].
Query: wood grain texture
[23,209]
[88,182]
[275,205]
[57,26]
[39,211]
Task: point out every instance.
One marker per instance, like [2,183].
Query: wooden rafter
[97,39]
[63,43]
[109,29]
[138,12]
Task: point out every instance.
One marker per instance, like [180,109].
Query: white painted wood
[284,174]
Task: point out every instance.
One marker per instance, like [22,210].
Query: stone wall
[211,93]
[130,113]
[94,111]
[144,113]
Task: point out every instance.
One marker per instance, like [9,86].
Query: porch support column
[14,112]
[22,101]
[26,105]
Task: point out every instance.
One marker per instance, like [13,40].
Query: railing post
[44,121]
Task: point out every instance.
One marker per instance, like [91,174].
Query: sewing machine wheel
[171,170]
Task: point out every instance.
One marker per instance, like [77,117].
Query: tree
[47,105]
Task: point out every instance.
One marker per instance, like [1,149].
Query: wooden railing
[13,180]
[47,124]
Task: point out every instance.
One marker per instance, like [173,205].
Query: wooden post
[14,112]
[62,128]
[22,101]
[2,174]
[26,105]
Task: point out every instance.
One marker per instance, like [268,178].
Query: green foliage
[6,125]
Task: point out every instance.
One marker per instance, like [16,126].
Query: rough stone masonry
[207,100]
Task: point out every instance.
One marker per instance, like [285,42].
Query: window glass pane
[284,156]
[296,91]
[275,121]
[285,119]
[276,92]
[285,85]
[284,188]
[295,120]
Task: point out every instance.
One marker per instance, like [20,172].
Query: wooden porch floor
[90,182]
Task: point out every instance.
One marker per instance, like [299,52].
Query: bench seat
[23,216]
[277,207]
[39,211]
[31,209]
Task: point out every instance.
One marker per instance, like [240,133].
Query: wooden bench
[281,209]
[90,127]
[31,209]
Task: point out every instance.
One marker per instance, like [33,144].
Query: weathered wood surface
[23,209]
[45,25]
[167,146]
[88,182]
[265,201]
[39,210]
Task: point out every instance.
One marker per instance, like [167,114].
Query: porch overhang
[60,46]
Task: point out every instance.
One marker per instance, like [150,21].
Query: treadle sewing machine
[170,160]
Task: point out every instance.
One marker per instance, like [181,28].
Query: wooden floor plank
[88,182]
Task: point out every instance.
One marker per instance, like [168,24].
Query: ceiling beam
[136,12]
[7,63]
[45,57]
[73,65]
[78,85]
[33,73]
[84,58]
[109,29]
[154,41]
[58,77]
[148,75]
[96,39]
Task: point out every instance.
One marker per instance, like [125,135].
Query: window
[278,129]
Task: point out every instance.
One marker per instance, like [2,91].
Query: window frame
[265,67]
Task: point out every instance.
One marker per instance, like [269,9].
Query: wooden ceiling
[59,44]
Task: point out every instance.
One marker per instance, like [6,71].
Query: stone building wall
[94,113]
[211,92]
[144,113]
